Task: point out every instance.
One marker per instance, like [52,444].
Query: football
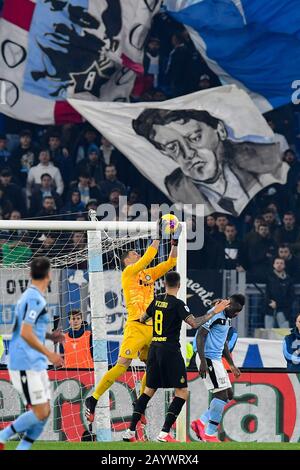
[171,223]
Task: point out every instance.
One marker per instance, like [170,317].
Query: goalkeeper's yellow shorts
[136,341]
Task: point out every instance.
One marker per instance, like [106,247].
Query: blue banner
[250,42]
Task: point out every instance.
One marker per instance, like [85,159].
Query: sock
[205,416]
[108,379]
[139,409]
[32,435]
[143,384]
[21,424]
[172,413]
[215,415]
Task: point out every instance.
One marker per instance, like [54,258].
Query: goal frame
[94,230]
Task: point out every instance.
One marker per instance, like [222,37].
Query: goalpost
[85,258]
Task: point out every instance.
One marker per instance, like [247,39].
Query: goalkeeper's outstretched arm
[162,268]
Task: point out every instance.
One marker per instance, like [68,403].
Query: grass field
[158,446]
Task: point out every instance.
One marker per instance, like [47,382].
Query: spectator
[178,67]
[292,264]
[45,166]
[210,225]
[260,253]
[114,200]
[60,157]
[48,208]
[92,205]
[269,217]
[90,136]
[5,204]
[278,138]
[77,348]
[87,188]
[109,154]
[13,192]
[295,201]
[45,189]
[291,347]
[252,235]
[232,248]
[92,164]
[279,296]
[73,205]
[290,158]
[221,222]
[76,244]
[4,153]
[15,215]
[47,245]
[111,182]
[23,157]
[288,232]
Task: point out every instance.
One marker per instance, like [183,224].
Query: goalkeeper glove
[176,235]
[160,228]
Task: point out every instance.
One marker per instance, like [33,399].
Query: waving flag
[211,147]
[51,50]
[252,43]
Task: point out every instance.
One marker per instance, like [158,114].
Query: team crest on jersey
[148,277]
[127,352]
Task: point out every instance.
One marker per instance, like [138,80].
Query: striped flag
[51,50]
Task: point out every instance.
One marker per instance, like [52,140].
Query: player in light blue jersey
[212,346]
[28,357]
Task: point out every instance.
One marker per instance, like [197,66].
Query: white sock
[162,434]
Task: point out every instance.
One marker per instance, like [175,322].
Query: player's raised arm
[141,263]
[196,322]
[162,268]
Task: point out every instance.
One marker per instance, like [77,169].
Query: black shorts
[165,367]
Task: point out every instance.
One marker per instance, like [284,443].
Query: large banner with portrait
[53,49]
[211,147]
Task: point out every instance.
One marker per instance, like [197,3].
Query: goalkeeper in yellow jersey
[138,290]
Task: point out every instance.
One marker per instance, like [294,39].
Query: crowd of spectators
[61,172]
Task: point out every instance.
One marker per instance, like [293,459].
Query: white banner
[13,283]
[211,147]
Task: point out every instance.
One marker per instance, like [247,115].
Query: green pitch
[43,445]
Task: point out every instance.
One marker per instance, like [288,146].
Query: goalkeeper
[138,290]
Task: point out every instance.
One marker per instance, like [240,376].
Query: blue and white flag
[252,43]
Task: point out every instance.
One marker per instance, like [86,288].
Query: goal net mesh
[69,292]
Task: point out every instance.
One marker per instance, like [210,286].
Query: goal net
[86,303]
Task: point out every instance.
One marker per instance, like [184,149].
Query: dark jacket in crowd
[259,254]
[291,350]
[107,186]
[282,291]
[36,201]
[232,254]
[14,194]
[65,165]
[21,161]
[281,235]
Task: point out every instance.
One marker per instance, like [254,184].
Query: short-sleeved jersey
[30,309]
[138,282]
[217,327]
[168,313]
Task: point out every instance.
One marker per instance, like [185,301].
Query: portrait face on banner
[211,167]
